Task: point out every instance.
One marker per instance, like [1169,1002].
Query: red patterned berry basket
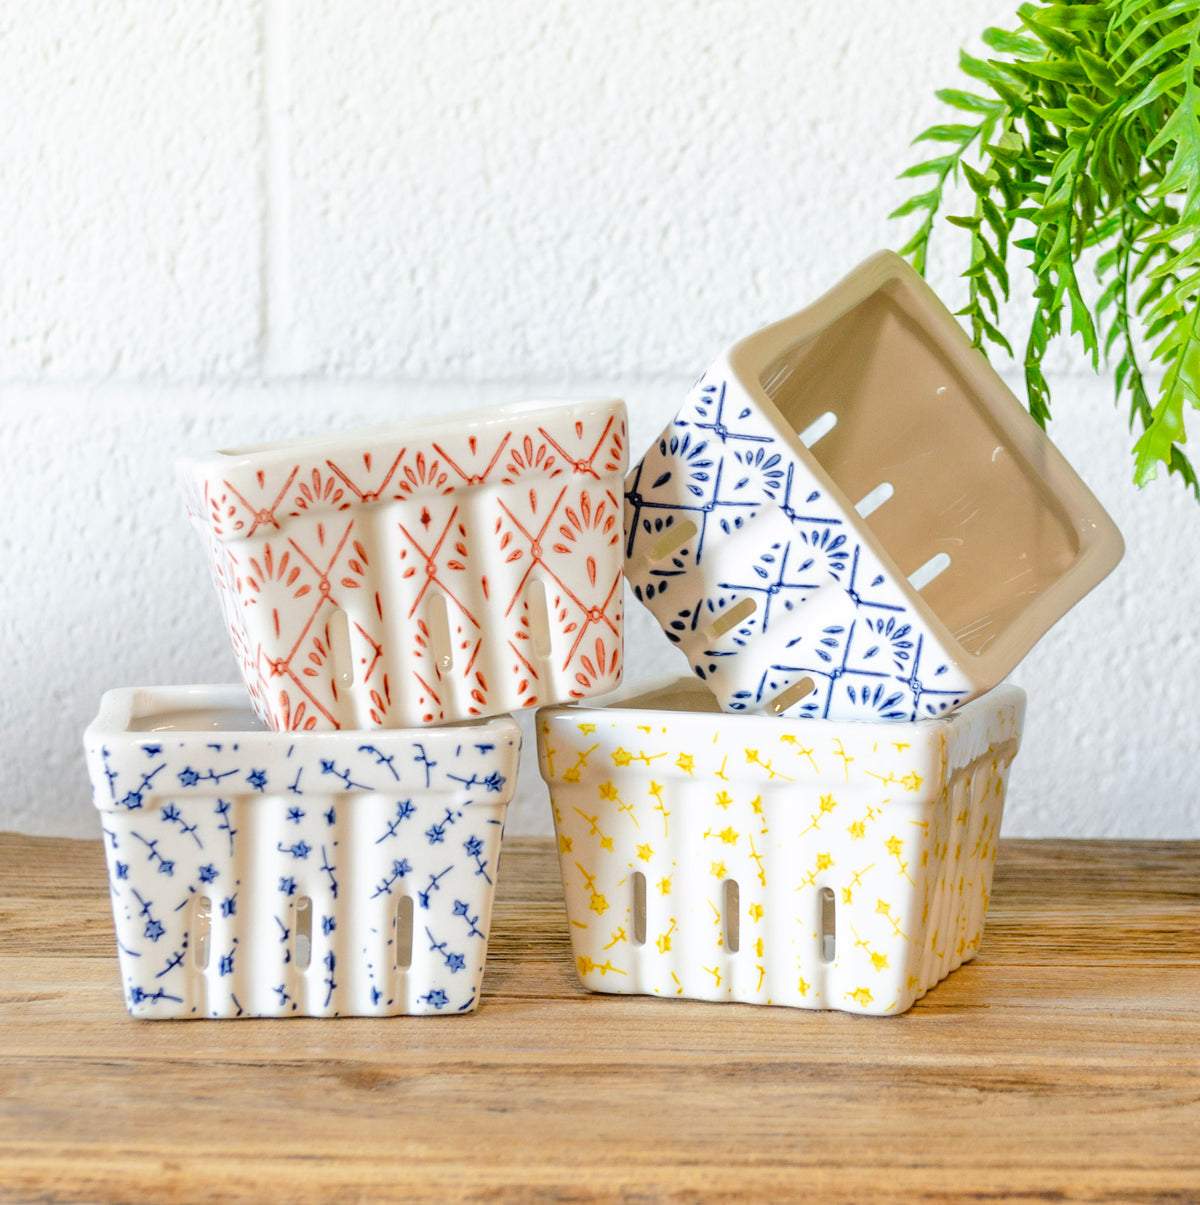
[424,572]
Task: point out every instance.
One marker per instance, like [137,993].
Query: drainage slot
[202,929]
[874,500]
[732,617]
[639,908]
[828,925]
[404,931]
[338,629]
[439,633]
[674,537]
[794,693]
[927,572]
[304,915]
[539,617]
[733,918]
[818,429]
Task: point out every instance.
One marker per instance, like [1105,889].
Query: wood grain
[1062,1065]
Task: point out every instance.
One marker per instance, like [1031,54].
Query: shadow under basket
[263,874]
[852,517]
[814,864]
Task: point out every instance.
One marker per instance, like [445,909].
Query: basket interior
[683,694]
[197,717]
[963,513]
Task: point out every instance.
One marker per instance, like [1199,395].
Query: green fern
[1084,136]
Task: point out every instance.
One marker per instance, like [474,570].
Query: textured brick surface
[521,189]
[432,206]
[130,192]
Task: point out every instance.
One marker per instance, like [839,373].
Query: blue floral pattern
[825,607]
[262,874]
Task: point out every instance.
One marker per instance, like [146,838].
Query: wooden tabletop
[1062,1064]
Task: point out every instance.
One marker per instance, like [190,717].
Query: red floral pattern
[434,547]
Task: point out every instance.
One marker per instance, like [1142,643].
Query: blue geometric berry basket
[281,874]
[852,517]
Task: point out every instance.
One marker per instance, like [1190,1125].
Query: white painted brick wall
[228,221]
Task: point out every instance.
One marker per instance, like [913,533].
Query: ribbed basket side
[244,905]
[859,868]
[767,534]
[685,950]
[458,586]
[969,816]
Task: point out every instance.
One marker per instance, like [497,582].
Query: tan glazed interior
[961,485]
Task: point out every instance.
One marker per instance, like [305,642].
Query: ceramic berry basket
[424,572]
[814,864]
[852,517]
[262,874]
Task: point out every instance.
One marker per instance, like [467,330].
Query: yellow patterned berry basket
[816,864]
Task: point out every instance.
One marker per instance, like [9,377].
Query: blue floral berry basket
[851,516]
[277,874]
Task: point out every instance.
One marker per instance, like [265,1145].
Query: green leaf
[1162,48]
[980,69]
[1158,14]
[925,200]
[931,167]
[1005,152]
[1057,40]
[1060,117]
[1100,75]
[1010,43]
[1058,71]
[995,219]
[1084,108]
[1075,16]
[947,133]
[1165,82]
[980,182]
[968,102]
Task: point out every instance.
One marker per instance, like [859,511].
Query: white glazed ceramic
[423,572]
[263,874]
[852,517]
[814,864]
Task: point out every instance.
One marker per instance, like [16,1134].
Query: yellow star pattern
[901,825]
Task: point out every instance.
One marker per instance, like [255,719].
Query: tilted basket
[851,516]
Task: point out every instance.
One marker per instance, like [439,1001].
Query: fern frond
[1086,139]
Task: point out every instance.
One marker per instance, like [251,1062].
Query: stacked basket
[854,532]
[389,595]
[851,529]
